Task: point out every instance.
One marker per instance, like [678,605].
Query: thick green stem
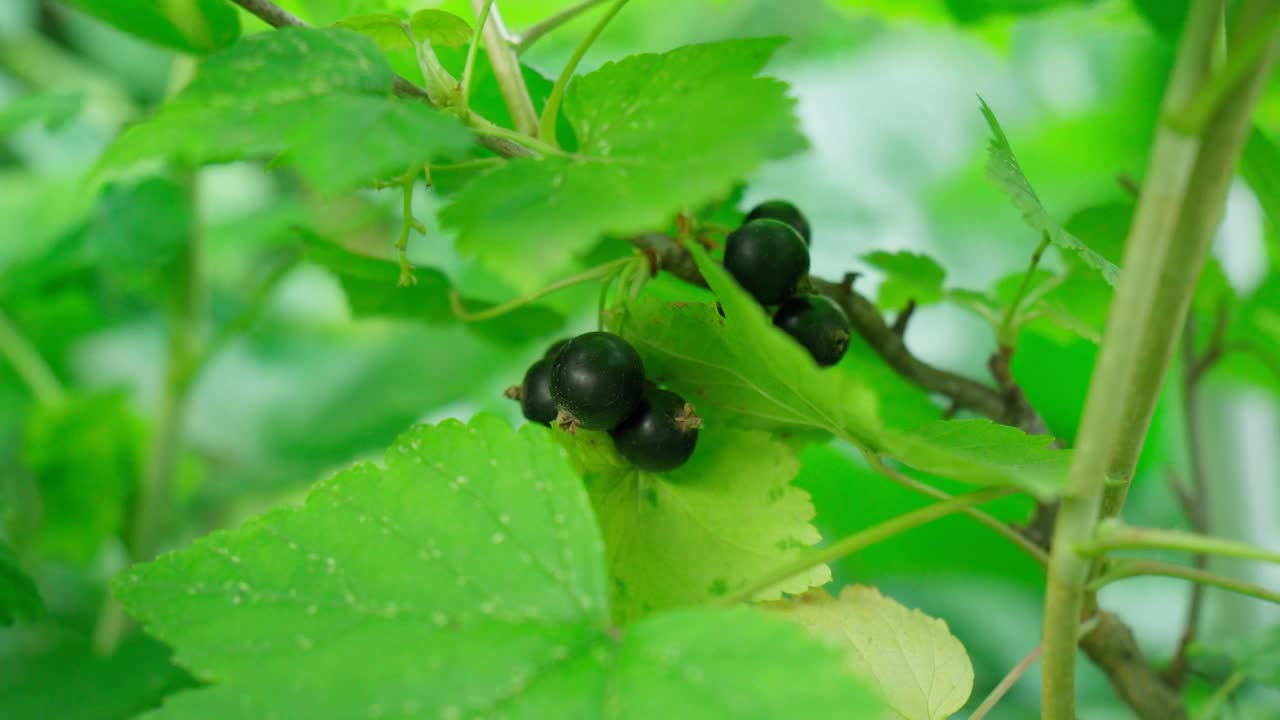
[26,361]
[552,109]
[1123,569]
[1181,204]
[506,70]
[863,539]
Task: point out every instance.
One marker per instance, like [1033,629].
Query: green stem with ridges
[1124,569]
[1167,244]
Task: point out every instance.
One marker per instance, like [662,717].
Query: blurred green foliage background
[887,95]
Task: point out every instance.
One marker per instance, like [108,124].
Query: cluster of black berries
[596,381]
[768,256]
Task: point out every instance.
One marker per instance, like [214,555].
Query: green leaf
[1004,172]
[919,667]
[1166,16]
[742,368]
[718,522]
[656,134]
[19,599]
[983,453]
[387,29]
[464,576]
[372,290]
[85,455]
[51,109]
[198,26]
[908,276]
[67,680]
[140,226]
[1260,166]
[320,98]
[440,28]
[1259,656]
[1253,336]
[969,11]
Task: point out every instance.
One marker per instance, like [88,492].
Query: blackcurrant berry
[597,380]
[534,393]
[662,433]
[767,258]
[785,212]
[818,324]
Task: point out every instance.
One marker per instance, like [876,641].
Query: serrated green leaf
[726,517]
[656,134]
[199,26]
[919,667]
[321,99]
[373,290]
[386,29]
[139,226]
[85,454]
[1004,172]
[743,367]
[440,28]
[19,599]
[908,276]
[464,576]
[51,109]
[983,453]
[67,680]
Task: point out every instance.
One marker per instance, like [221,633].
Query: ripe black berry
[662,433]
[597,380]
[767,258]
[534,393]
[818,324]
[785,212]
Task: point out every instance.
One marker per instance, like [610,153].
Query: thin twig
[862,539]
[535,31]
[1006,683]
[26,361]
[1112,535]
[1196,500]
[551,110]
[1124,569]
[900,323]
[1007,531]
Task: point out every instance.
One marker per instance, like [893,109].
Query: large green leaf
[19,600]
[982,452]
[1004,172]
[656,134]
[199,26]
[726,517]
[465,576]
[920,668]
[321,100]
